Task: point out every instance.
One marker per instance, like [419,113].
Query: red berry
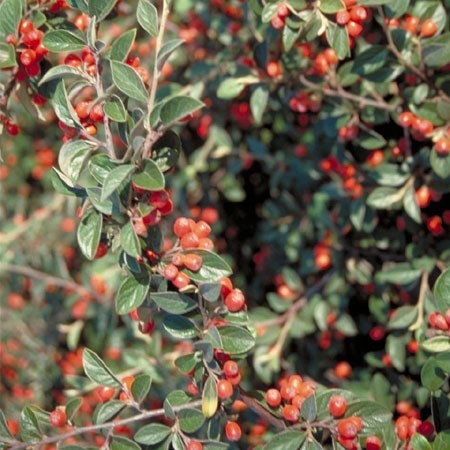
[343,370]
[233,431]
[82,109]
[152,218]
[423,196]
[342,17]
[426,428]
[373,443]
[182,226]
[181,280]
[167,208]
[26,26]
[278,22]
[347,429]
[170,271]
[337,406]
[291,413]
[442,146]
[81,21]
[189,240]
[194,445]
[33,38]
[273,398]
[282,10]
[274,69]
[202,229]
[206,244]
[235,300]
[428,28]
[96,114]
[402,427]
[193,262]
[102,250]
[230,369]
[224,389]
[358,14]
[105,393]
[354,29]
[28,57]
[159,198]
[58,417]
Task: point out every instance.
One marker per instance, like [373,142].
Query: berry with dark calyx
[58,418]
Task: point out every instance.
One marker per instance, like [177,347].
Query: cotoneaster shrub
[151,150]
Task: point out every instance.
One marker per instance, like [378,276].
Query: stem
[150,138]
[421,301]
[339,92]
[49,279]
[107,425]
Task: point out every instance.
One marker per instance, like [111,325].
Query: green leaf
[231,339]
[62,106]
[72,407]
[108,410]
[128,81]
[346,325]
[436,54]
[7,56]
[115,109]
[190,420]
[402,318]
[442,441]
[123,443]
[210,400]
[97,370]
[131,294]
[258,102]
[411,206]
[337,37]
[101,8]
[115,178]
[4,429]
[441,291]
[178,108]
[60,72]
[373,2]
[210,291]
[269,12]
[10,15]
[230,88]
[174,302]
[286,440]
[396,349]
[375,416]
[213,267]
[89,233]
[309,408]
[122,45]
[63,185]
[150,178]
[141,387]
[99,167]
[398,273]
[152,434]
[166,51]
[79,4]
[331,6]
[179,327]
[62,41]
[437,344]
[30,430]
[72,158]
[389,175]
[147,16]
[435,371]
[173,400]
[385,198]
[370,60]
[440,164]
[186,363]
[129,240]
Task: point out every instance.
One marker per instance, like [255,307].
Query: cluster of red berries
[420,127]
[89,114]
[412,24]
[352,17]
[11,127]
[406,427]
[225,386]
[303,102]
[440,321]
[161,203]
[323,61]
[292,392]
[32,52]
[279,20]
[348,430]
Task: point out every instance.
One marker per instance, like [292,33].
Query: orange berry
[58,418]
[291,413]
[224,389]
[233,431]
[343,370]
[235,300]
[337,405]
[273,398]
[429,28]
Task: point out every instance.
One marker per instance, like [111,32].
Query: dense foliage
[225,224]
